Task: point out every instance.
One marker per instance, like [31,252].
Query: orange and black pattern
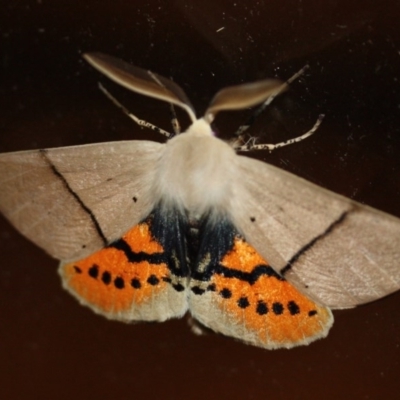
[162,251]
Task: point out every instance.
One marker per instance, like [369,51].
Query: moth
[148,231]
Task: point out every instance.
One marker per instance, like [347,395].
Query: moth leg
[142,123]
[250,145]
[243,128]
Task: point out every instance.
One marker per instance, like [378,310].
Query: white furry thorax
[196,170]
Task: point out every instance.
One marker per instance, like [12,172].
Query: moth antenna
[250,146]
[242,96]
[250,121]
[142,123]
[141,81]
[174,119]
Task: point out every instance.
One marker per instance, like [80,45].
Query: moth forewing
[337,251]
[72,201]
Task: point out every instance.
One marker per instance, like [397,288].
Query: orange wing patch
[109,281]
[136,278]
[253,293]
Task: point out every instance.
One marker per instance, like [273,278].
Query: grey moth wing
[72,201]
[338,252]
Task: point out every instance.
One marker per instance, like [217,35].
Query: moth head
[201,127]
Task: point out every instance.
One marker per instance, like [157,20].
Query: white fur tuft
[196,171]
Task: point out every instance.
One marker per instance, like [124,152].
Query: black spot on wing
[119,282]
[77,269]
[312,313]
[94,271]
[293,308]
[178,287]
[261,308]
[212,287]
[153,280]
[106,277]
[225,293]
[135,283]
[198,290]
[277,308]
[243,302]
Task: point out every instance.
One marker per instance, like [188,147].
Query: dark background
[50,346]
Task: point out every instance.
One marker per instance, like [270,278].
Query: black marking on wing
[243,302]
[226,293]
[167,227]
[94,271]
[250,277]
[261,308]
[119,282]
[153,280]
[60,176]
[293,307]
[155,258]
[277,308]
[135,283]
[312,242]
[106,277]
[216,239]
